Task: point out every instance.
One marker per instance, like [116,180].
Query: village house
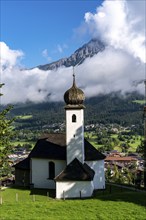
[121,160]
[65,162]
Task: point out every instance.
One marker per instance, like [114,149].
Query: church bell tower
[74,98]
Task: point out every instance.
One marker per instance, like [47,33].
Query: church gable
[76,171]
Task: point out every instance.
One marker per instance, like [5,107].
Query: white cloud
[115,69]
[9,57]
[121,24]
[45,54]
[111,70]
[61,48]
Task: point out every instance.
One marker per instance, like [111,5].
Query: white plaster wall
[75,135]
[99,177]
[40,172]
[73,189]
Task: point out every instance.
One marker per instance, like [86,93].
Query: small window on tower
[74,118]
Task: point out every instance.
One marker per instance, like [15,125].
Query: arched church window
[51,170]
[74,118]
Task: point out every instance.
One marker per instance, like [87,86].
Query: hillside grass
[24,117]
[133,143]
[117,205]
[22,142]
[141,102]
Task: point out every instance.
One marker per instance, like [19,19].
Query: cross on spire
[73,76]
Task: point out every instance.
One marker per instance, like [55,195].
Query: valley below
[111,120]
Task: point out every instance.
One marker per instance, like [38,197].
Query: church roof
[23,164]
[76,171]
[53,146]
[91,153]
[74,96]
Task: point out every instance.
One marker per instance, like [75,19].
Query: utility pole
[144,153]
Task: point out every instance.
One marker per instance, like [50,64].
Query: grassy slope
[119,205]
[132,148]
[24,117]
[141,102]
[15,143]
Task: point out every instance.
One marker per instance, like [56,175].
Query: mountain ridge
[89,49]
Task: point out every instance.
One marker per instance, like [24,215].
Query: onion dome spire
[74,96]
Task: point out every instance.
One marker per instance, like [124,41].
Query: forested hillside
[111,108]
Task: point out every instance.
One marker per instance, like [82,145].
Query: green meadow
[133,142]
[24,117]
[115,204]
[21,142]
[141,102]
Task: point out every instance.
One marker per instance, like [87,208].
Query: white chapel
[67,162]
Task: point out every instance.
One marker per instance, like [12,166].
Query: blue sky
[45,30]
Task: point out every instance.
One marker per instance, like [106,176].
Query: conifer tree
[5,137]
[144,153]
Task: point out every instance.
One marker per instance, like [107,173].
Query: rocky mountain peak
[89,49]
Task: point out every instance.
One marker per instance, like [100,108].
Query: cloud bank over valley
[120,25]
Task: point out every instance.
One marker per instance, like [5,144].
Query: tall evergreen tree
[144,150]
[145,163]
[5,137]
